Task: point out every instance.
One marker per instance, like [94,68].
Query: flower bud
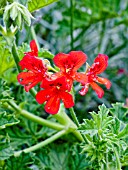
[16,14]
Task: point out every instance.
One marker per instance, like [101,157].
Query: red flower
[100,64]
[34,49]
[35,74]
[54,91]
[69,64]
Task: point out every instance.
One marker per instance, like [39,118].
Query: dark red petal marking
[60,82]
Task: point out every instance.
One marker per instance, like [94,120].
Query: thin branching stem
[77,122]
[35,118]
[43,143]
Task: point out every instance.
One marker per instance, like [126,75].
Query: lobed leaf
[7,120]
[6,59]
[37,4]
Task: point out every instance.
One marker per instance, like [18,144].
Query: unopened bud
[15,14]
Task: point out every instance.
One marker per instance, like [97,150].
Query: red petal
[58,82]
[104,81]
[67,99]
[29,86]
[61,60]
[28,79]
[43,96]
[99,91]
[81,77]
[84,90]
[52,105]
[100,64]
[78,58]
[74,60]
[32,63]
[34,48]
[67,82]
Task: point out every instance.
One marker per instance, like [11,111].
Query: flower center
[58,87]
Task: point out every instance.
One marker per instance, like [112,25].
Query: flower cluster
[57,86]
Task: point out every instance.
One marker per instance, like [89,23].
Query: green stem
[34,36]
[35,118]
[63,118]
[33,92]
[16,57]
[74,116]
[107,163]
[77,123]
[71,26]
[43,143]
[53,69]
[117,159]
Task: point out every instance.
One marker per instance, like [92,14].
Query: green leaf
[37,4]
[14,13]
[22,162]
[55,158]
[6,59]
[124,132]
[5,151]
[77,159]
[88,127]
[119,111]
[100,122]
[44,53]
[7,120]
[18,137]
[61,156]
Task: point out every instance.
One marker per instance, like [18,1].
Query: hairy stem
[43,143]
[77,122]
[118,164]
[35,118]
[15,56]
[34,36]
[63,118]
[74,116]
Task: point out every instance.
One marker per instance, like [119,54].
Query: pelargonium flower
[36,71]
[100,64]
[34,49]
[69,64]
[54,91]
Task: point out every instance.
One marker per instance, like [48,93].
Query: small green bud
[16,14]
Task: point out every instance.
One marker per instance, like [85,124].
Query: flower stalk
[35,118]
[63,118]
[43,143]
